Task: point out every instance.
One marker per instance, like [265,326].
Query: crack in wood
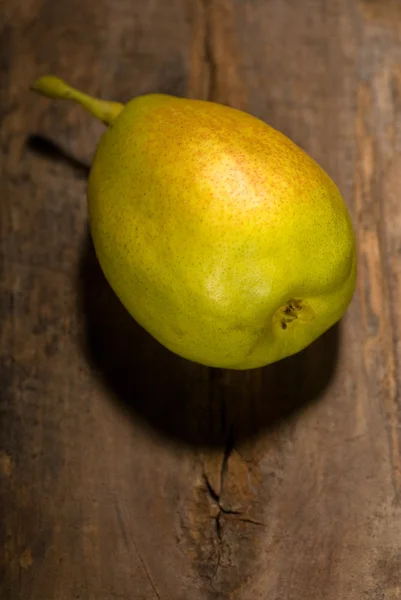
[228,450]
[137,550]
[209,50]
[216,496]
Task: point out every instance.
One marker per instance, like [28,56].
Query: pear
[226,241]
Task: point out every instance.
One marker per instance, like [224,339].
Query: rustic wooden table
[127,473]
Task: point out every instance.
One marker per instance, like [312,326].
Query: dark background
[129,473]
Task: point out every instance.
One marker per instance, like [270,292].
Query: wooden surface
[125,472]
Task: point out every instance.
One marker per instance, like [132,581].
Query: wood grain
[125,471]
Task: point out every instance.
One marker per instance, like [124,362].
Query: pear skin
[226,241]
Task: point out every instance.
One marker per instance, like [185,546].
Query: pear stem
[53,87]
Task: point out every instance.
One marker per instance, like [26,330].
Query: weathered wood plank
[125,471]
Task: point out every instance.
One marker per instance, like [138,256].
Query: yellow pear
[221,237]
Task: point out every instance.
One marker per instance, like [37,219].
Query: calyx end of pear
[294,309]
